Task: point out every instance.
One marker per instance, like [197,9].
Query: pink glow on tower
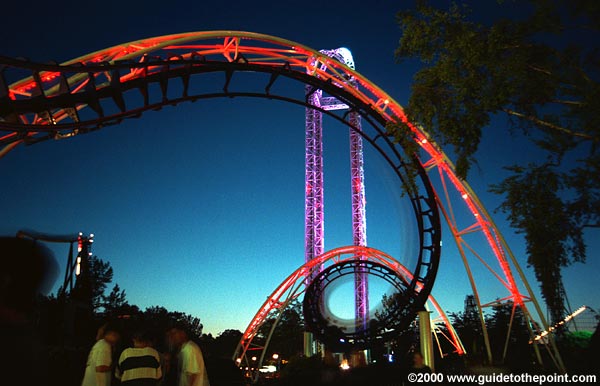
[314,215]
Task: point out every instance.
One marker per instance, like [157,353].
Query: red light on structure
[297,58]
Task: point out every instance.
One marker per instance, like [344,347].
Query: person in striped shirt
[139,365]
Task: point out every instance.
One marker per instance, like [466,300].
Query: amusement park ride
[93,91]
[314,203]
[73,267]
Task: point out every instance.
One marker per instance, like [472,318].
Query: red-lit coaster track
[52,101]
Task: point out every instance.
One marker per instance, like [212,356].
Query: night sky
[199,208]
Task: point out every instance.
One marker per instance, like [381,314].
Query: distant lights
[386,102]
[344,365]
[424,140]
[268,369]
[465,196]
[562,322]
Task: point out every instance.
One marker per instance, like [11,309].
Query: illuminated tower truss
[314,220]
[313,208]
[79,96]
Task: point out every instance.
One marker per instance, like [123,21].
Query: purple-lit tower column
[314,220]
[359,221]
[313,208]
[313,205]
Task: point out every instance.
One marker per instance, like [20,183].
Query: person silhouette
[191,370]
[139,365]
[98,367]
[418,365]
[27,269]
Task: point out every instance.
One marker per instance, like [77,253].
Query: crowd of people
[182,364]
[29,268]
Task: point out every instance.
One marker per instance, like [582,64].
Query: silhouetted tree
[519,355]
[115,299]
[160,319]
[468,327]
[288,336]
[402,334]
[90,285]
[226,342]
[116,304]
[539,70]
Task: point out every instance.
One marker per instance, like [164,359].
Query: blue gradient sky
[199,208]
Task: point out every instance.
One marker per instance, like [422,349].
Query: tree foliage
[468,327]
[541,71]
[288,337]
[96,274]
[226,343]
[115,303]
[519,353]
[159,318]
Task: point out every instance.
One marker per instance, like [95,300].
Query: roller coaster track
[52,101]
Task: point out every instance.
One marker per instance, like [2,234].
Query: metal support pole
[536,349]
[313,209]
[558,359]
[425,338]
[461,250]
[68,281]
[512,318]
[486,338]
[308,344]
[359,223]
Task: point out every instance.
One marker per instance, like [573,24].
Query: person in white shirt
[98,367]
[191,370]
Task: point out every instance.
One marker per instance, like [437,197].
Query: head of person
[418,360]
[178,334]
[111,335]
[27,269]
[142,338]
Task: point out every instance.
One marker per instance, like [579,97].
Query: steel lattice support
[314,221]
[47,104]
[314,184]
[359,221]
[295,285]
[313,208]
